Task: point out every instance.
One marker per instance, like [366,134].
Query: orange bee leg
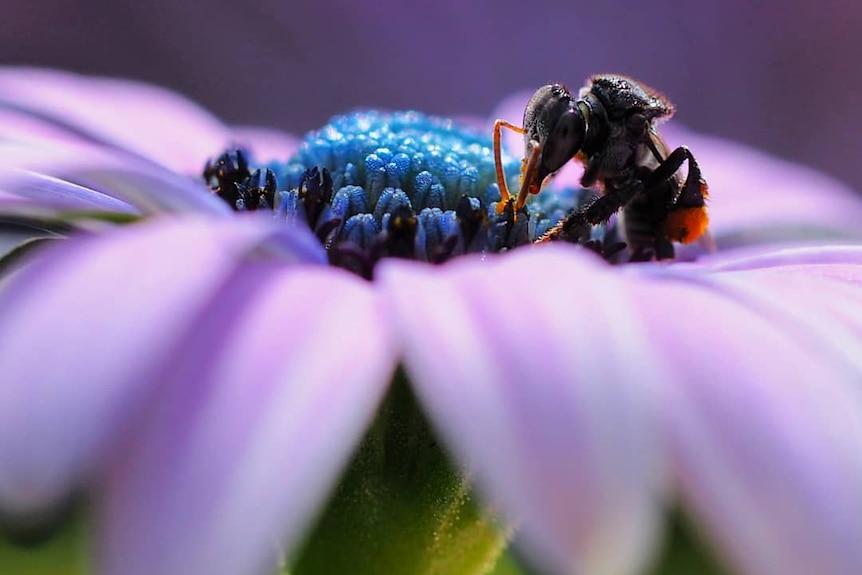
[498,161]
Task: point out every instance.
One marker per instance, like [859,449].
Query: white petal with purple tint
[785,256]
[18,127]
[139,182]
[85,329]
[151,121]
[521,379]
[265,401]
[141,119]
[26,191]
[765,414]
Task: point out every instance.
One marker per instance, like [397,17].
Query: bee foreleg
[498,161]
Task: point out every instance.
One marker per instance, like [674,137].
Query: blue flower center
[371,185]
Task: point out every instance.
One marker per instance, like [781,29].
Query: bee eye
[565,139]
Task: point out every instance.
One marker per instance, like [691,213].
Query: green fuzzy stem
[58,545]
[685,551]
[402,506]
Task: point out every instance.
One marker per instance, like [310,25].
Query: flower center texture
[372,185]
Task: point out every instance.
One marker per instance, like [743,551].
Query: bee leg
[642,254]
[534,150]
[687,219]
[591,171]
[693,191]
[617,195]
[576,226]
[664,249]
[572,228]
[498,161]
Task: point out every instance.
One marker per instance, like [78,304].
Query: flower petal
[765,414]
[513,358]
[141,183]
[812,291]
[25,191]
[85,328]
[16,126]
[156,123]
[771,474]
[785,256]
[272,391]
[18,237]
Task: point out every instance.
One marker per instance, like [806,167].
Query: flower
[207,377]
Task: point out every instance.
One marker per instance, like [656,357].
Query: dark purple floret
[224,174]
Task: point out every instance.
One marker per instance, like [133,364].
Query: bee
[611,129]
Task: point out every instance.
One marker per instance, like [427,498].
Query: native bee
[611,129]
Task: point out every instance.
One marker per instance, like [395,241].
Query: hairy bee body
[611,128]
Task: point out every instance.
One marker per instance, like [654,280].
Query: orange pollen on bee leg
[686,225]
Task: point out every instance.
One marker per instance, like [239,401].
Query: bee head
[555,123]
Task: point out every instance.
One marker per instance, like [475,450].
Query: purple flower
[206,377]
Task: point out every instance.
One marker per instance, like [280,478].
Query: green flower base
[402,506]
[63,551]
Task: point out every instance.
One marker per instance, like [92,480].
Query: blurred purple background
[783,76]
